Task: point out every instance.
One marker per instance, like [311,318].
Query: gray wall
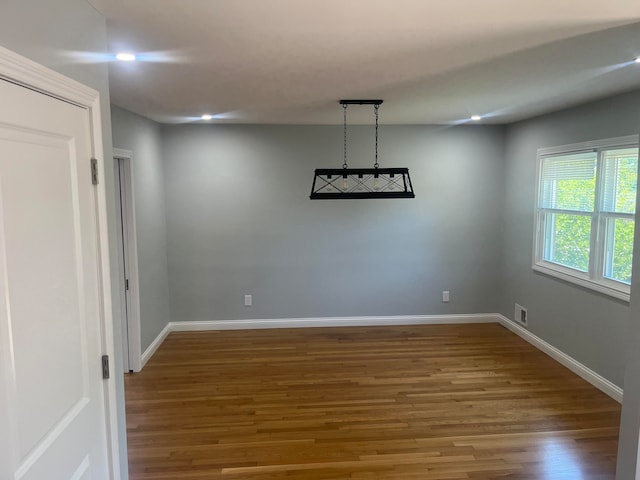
[586,325]
[142,137]
[240,222]
[47,32]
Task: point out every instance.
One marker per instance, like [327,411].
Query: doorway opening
[128,258]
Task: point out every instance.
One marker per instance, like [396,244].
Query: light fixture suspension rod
[375,108]
[344,107]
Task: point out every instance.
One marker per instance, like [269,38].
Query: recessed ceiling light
[206,116]
[476,118]
[126,57]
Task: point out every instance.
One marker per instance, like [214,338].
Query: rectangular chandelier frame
[343,183]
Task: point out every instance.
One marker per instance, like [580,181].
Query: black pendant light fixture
[345,182]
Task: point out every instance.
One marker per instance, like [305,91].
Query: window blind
[568,182]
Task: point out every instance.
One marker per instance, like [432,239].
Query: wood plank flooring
[367,403]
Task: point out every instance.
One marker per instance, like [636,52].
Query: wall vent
[520,315]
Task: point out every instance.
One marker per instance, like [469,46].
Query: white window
[585,213]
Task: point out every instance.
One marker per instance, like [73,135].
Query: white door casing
[121,253]
[57,414]
[123,169]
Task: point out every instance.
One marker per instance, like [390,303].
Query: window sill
[566,275]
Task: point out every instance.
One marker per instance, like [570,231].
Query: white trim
[122,153]
[572,364]
[148,353]
[135,348]
[567,275]
[18,69]
[121,291]
[327,322]
[21,70]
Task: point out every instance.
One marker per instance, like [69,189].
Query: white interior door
[52,404]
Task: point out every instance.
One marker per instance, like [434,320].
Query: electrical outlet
[445,296]
[248,300]
[520,315]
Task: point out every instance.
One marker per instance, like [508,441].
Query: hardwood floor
[404,402]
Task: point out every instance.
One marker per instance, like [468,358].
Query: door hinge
[94,171]
[105,366]
[126,284]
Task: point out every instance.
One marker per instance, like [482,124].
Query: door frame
[132,326]
[22,71]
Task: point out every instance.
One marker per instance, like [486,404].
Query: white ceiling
[432,61]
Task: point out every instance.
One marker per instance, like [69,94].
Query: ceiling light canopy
[126,57]
[345,182]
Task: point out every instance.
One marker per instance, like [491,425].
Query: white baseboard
[572,364]
[148,353]
[328,322]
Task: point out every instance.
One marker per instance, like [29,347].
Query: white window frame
[593,279]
